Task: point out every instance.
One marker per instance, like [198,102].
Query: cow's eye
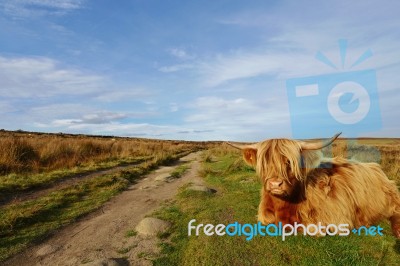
[288,167]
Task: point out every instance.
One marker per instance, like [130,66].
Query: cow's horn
[318,145]
[240,147]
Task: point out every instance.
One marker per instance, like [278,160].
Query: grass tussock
[179,171]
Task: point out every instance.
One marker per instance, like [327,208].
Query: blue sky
[190,70]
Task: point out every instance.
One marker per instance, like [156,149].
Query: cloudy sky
[195,70]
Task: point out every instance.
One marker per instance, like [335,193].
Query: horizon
[178,140]
[190,71]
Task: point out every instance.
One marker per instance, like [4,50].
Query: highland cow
[300,185]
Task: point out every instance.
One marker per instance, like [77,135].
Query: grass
[145,255]
[386,152]
[126,249]
[86,261]
[31,161]
[40,153]
[180,170]
[237,199]
[19,182]
[130,233]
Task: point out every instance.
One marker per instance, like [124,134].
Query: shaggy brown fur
[301,186]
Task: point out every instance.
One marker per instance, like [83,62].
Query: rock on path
[152,226]
[201,188]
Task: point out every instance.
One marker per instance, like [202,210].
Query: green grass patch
[130,233]
[86,261]
[126,249]
[180,170]
[14,182]
[237,199]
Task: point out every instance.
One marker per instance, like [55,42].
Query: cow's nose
[275,184]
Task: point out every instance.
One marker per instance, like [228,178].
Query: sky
[200,70]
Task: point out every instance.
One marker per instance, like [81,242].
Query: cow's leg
[265,215]
[395,221]
[395,218]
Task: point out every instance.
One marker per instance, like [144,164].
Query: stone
[163,177]
[152,226]
[249,180]
[46,250]
[109,262]
[165,169]
[201,188]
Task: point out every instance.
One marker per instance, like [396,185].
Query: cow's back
[348,192]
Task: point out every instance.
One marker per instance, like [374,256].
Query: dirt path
[102,234]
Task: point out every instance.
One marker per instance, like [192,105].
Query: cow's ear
[249,152]
[250,155]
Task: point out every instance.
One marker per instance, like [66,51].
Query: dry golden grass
[34,153]
[386,152]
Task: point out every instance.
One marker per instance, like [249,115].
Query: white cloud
[114,127]
[32,8]
[239,118]
[240,65]
[293,38]
[76,119]
[181,54]
[173,107]
[100,118]
[295,59]
[44,77]
[124,94]
[6,107]
[216,110]
[51,111]
[175,68]
[250,18]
